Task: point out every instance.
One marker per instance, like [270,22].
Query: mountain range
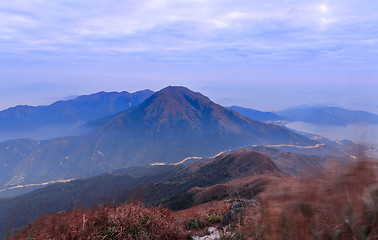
[62,117]
[328,116]
[320,115]
[258,115]
[171,125]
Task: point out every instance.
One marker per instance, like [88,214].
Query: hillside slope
[154,185]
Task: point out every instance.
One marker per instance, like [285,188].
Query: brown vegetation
[130,221]
[246,188]
[341,203]
[196,219]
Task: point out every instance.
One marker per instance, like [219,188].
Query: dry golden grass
[130,221]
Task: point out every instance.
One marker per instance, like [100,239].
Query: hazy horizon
[40,94]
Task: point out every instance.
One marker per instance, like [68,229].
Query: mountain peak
[179,92]
[175,104]
[175,89]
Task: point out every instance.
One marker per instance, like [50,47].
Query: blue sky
[267,55]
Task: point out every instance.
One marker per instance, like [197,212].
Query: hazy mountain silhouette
[318,114]
[60,118]
[257,115]
[328,115]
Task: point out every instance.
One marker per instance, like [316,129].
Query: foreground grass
[341,203]
[124,222]
[130,221]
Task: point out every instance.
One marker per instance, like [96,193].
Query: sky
[262,54]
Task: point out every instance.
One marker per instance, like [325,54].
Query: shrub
[125,222]
[204,215]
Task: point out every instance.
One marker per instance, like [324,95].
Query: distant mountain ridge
[328,115]
[319,114]
[171,125]
[60,118]
[257,115]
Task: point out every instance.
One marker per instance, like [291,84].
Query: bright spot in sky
[323,8]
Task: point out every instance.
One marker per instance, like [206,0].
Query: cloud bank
[167,29]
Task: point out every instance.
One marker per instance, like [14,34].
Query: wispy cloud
[162,22]
[311,33]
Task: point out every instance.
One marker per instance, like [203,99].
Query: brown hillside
[246,187]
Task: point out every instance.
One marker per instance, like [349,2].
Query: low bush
[124,222]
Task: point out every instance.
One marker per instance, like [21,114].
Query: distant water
[362,133]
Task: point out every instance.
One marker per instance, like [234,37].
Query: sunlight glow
[324,8]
